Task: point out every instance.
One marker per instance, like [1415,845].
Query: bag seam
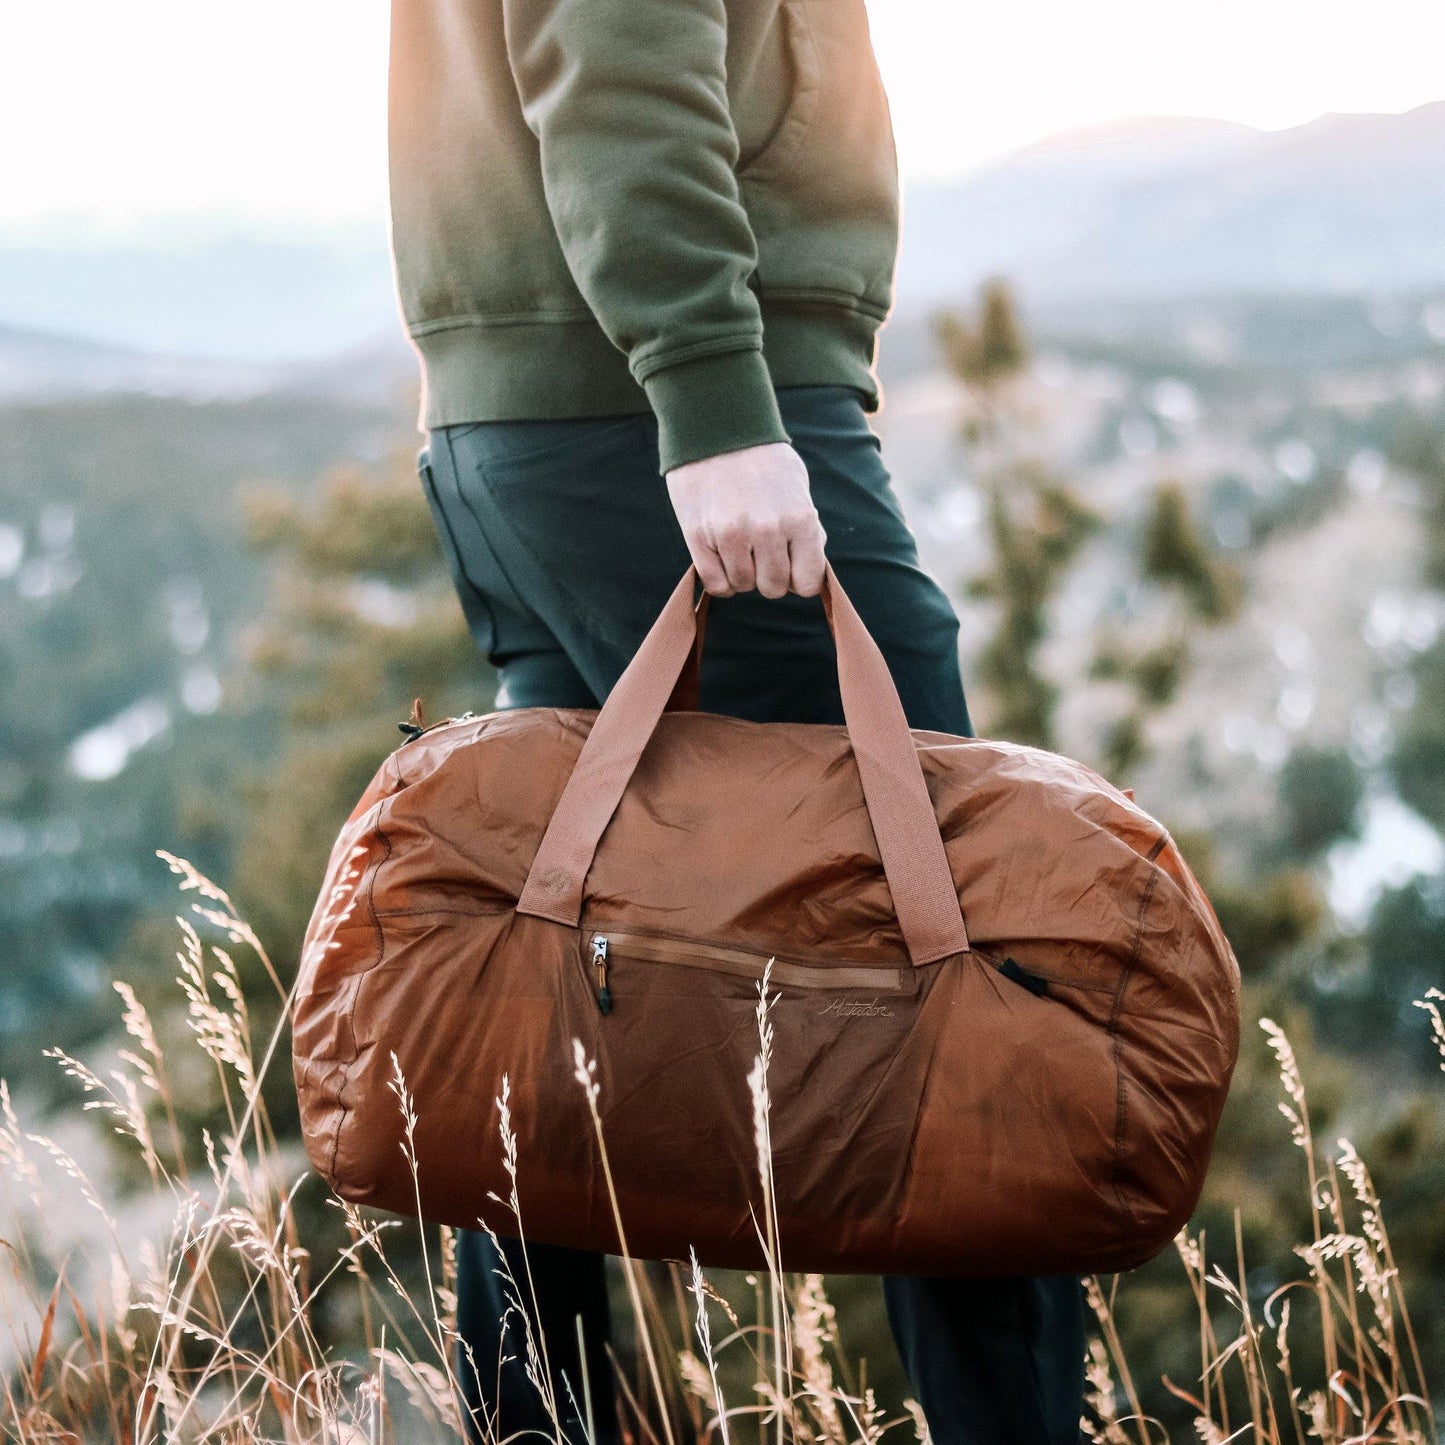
[910,1157]
[344,1109]
[1116,1049]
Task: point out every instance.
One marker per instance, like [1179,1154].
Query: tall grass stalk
[1370,1385]
[207,1305]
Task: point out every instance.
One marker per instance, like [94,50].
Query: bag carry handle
[663,673]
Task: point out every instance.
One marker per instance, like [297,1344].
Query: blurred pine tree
[1271,904]
[1036,524]
[361,619]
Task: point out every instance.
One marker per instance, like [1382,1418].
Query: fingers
[710,568]
[805,551]
[749,521]
[770,562]
[762,558]
[734,545]
[784,557]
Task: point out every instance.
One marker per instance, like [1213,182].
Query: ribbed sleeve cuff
[711,405]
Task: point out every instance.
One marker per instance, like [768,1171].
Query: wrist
[713,404]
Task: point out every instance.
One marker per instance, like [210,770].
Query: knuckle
[708,568]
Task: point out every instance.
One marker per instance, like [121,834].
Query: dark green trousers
[563,545]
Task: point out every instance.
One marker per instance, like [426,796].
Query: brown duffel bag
[1006,1016]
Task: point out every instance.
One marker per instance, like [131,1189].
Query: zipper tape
[741,962]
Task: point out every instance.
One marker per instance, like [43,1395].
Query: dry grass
[220,1327]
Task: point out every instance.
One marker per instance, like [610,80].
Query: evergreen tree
[1036,527]
[1321,793]
[361,620]
[1274,912]
[1175,554]
[1186,584]
[985,351]
[1036,524]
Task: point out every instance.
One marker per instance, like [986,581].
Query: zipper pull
[415,726]
[599,962]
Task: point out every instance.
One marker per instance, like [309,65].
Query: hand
[749,521]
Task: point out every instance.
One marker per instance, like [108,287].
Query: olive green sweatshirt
[601,206]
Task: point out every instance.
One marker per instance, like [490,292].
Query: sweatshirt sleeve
[628,101]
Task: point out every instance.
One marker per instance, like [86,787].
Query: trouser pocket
[580,525]
[476,606]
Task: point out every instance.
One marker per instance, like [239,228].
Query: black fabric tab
[1031,981]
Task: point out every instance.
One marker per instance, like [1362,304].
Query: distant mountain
[1217,336]
[1147,209]
[234,296]
[45,366]
[39,365]
[1171,207]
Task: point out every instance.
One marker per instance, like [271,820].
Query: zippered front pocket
[604,948]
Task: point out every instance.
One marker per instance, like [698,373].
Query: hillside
[1150,209]
[1347,202]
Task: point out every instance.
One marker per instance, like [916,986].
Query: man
[643,248]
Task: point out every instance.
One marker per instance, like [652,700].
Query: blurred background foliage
[215,613]
[1345,990]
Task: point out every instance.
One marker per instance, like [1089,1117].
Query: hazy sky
[274,110]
